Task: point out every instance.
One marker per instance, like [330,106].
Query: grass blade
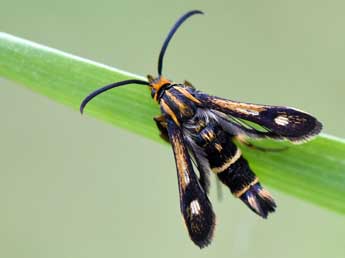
[314,171]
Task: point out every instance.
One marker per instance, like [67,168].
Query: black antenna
[108,87]
[171,34]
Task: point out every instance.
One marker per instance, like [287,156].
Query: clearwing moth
[202,128]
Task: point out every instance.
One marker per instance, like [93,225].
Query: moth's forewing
[195,206]
[279,121]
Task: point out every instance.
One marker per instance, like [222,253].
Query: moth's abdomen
[244,184]
[220,151]
[226,160]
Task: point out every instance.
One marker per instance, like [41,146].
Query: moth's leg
[162,127]
[189,84]
[244,141]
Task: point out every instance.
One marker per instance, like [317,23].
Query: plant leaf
[314,171]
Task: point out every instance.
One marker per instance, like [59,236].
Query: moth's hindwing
[279,121]
[195,205]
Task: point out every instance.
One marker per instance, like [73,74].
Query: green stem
[314,171]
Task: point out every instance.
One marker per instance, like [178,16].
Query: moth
[202,129]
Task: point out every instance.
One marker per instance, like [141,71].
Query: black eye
[153,92]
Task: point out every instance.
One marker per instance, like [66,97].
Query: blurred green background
[71,186]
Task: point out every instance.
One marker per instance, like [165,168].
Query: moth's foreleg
[162,127]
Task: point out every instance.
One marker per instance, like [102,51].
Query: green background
[71,186]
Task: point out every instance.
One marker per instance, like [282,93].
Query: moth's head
[157,86]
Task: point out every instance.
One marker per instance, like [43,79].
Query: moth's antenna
[108,87]
[171,34]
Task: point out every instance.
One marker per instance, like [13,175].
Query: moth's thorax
[178,103]
[203,127]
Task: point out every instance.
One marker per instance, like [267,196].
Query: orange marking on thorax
[181,106]
[187,94]
[168,110]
